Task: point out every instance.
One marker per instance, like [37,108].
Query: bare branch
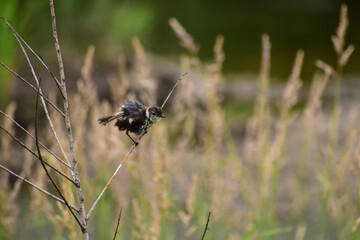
[44,167]
[177,82]
[57,46]
[32,87]
[42,145]
[18,141]
[70,136]
[118,223]
[37,187]
[43,102]
[111,179]
[35,155]
[18,37]
[206,226]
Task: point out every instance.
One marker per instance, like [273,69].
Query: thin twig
[118,223]
[44,167]
[32,87]
[57,46]
[177,82]
[35,155]
[206,226]
[28,133]
[43,102]
[111,179]
[18,141]
[37,187]
[76,175]
[33,52]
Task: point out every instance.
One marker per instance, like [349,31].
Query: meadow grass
[292,175]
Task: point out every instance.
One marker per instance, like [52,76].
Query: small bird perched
[134,117]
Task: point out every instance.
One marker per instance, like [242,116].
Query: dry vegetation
[295,175]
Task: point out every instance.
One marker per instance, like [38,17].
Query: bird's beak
[163,116]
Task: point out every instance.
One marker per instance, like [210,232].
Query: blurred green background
[110,25]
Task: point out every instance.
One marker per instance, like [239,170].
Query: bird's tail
[105,120]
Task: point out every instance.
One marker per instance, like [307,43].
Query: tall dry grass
[294,174]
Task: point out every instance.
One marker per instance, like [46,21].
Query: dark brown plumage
[134,117]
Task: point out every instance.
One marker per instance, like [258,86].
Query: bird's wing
[132,109]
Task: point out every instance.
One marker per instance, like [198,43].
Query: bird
[134,117]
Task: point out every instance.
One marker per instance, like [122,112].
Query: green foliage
[18,13]
[129,20]
[105,215]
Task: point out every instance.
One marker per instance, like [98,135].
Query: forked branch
[43,101]
[19,38]
[35,155]
[68,127]
[37,187]
[32,87]
[44,167]
[29,134]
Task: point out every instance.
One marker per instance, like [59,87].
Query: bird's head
[154,113]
